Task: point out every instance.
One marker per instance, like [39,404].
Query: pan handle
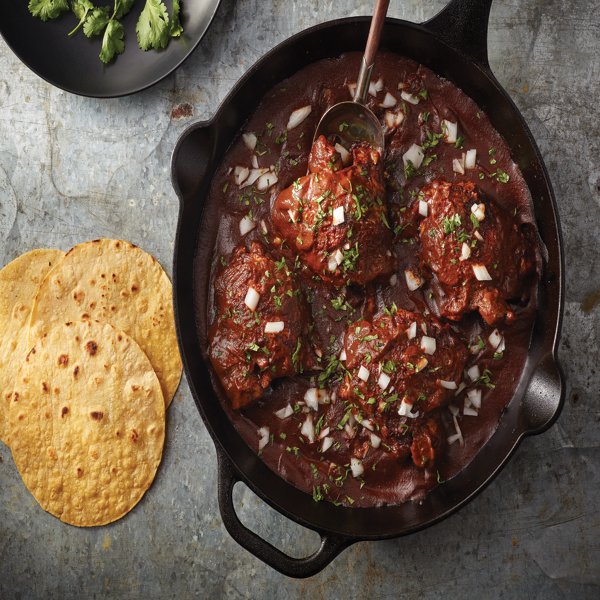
[191,159]
[331,544]
[544,396]
[463,24]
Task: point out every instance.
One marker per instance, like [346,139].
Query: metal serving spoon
[352,121]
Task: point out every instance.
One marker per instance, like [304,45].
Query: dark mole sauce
[385,479]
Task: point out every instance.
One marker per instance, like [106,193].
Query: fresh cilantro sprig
[154,27]
[47,9]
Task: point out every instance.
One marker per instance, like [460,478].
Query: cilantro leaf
[153,26]
[47,9]
[81,9]
[112,42]
[122,7]
[96,22]
[176,28]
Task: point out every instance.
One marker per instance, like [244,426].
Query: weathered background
[73,169]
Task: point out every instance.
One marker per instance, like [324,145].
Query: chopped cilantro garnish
[451,223]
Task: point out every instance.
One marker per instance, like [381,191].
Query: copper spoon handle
[368,59]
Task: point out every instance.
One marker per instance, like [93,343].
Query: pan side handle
[191,160]
[463,24]
[331,545]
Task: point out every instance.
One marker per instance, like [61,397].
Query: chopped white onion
[424,327]
[393,119]
[253,176]
[308,429]
[327,443]
[479,211]
[454,438]
[350,431]
[415,155]
[343,355]
[478,235]
[375,88]
[471,159]
[405,410]
[263,437]
[383,381]
[356,467]
[274,326]
[393,279]
[428,344]
[495,338]
[339,256]
[285,412]
[458,165]
[450,130]
[375,441]
[240,174]
[501,346]
[251,299]
[366,423]
[338,215]
[332,264]
[363,373]
[255,161]
[388,101]
[481,273]
[266,181]
[411,332]
[473,373]
[246,225]
[474,397]
[298,116]
[457,429]
[324,433]
[449,385]
[263,227]
[410,98]
[414,282]
[423,208]
[250,140]
[343,153]
[311,397]
[470,412]
[465,251]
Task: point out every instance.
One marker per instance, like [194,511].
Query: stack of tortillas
[89,363]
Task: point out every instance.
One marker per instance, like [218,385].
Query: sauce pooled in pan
[367,316]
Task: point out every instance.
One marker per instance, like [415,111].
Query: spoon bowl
[350,122]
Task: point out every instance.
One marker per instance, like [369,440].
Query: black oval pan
[454,45]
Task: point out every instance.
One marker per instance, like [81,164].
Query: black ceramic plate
[72,63]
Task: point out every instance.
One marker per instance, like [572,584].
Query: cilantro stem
[80,24]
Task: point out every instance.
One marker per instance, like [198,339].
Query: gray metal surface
[73,169]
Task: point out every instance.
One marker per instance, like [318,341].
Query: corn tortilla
[87,423]
[19,282]
[116,282]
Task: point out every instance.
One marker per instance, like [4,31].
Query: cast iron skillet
[73,64]
[453,44]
